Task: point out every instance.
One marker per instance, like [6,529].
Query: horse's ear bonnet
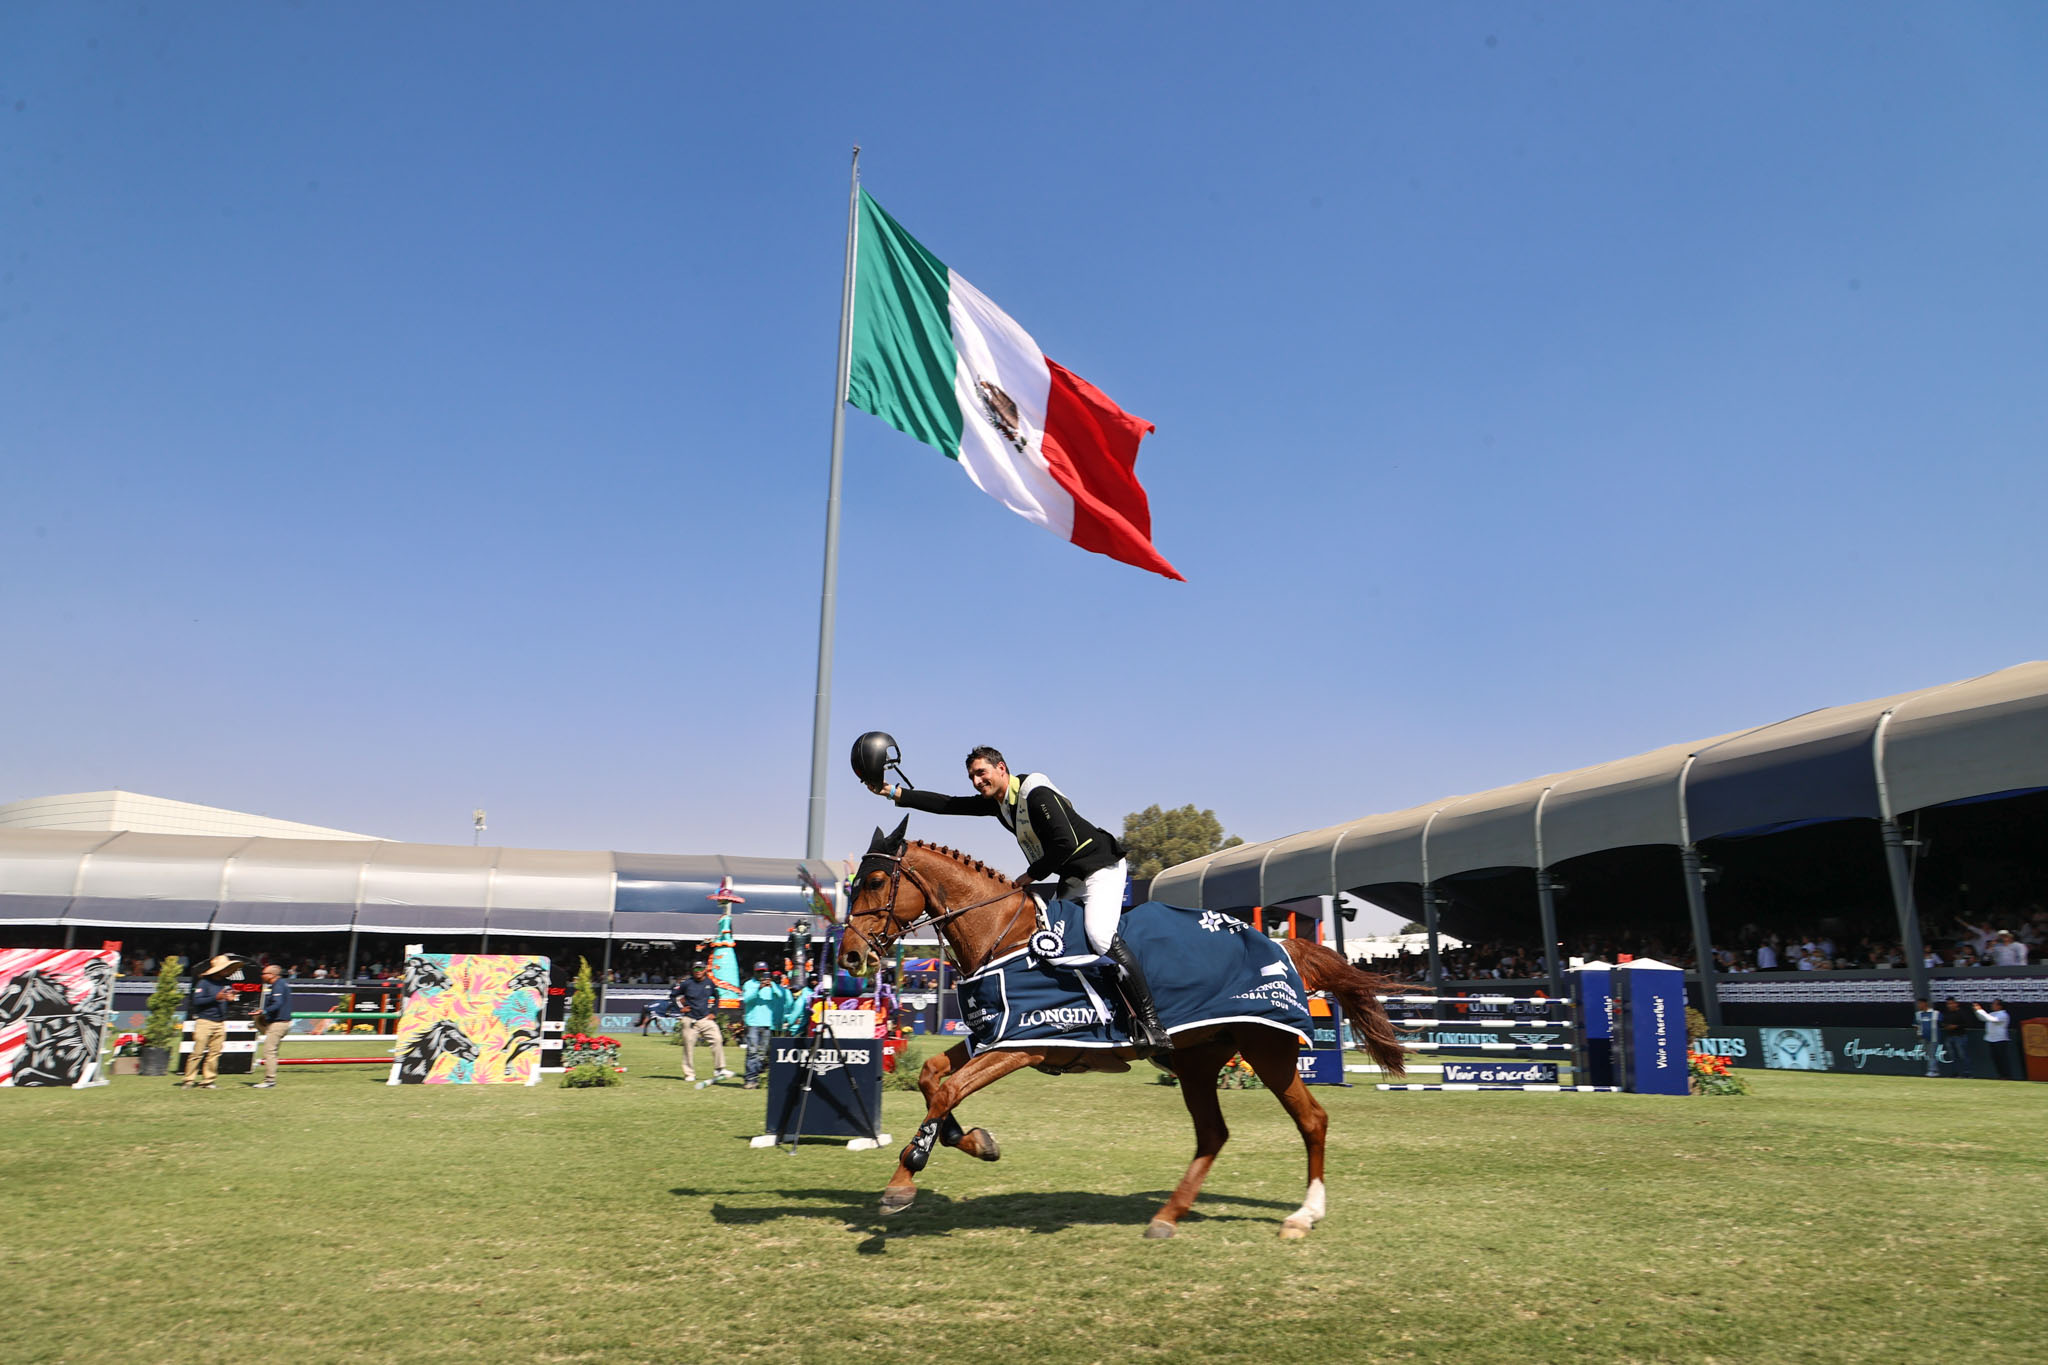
[872,754]
[888,843]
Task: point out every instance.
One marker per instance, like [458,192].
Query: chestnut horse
[983,916]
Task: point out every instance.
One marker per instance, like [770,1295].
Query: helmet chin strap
[897,768]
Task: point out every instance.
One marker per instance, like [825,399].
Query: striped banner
[1487,1047]
[1537,1000]
[1484,1023]
[1537,1088]
[237,1049]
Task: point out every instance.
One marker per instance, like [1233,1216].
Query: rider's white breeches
[1102,896]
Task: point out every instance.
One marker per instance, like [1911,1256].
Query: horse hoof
[1159,1228]
[1290,1232]
[895,1201]
[985,1145]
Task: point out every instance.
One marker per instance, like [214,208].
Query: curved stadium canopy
[183,881]
[1961,741]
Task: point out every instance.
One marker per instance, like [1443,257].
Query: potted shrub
[160,1025]
[582,1002]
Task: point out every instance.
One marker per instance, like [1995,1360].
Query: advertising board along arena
[1629,1034]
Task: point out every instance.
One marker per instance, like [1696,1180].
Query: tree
[1156,839]
[582,1002]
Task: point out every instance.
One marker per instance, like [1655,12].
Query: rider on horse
[1089,860]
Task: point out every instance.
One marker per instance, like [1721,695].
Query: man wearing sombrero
[208,1011]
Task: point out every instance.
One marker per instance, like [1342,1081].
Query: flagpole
[821,715]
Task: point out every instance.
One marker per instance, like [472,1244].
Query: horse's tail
[1358,992]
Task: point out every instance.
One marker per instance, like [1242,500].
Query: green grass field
[1822,1218]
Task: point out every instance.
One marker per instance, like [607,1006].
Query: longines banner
[846,1089]
[1873,1051]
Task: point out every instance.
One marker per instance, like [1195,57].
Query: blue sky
[409,409]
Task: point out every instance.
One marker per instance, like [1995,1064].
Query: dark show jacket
[277,1002]
[209,1001]
[1072,846]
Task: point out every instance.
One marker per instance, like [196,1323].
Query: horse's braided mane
[975,863]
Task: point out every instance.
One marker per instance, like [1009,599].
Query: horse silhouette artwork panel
[471,1019]
[1030,999]
[33,995]
[56,1042]
[443,1039]
[532,977]
[423,974]
[54,1007]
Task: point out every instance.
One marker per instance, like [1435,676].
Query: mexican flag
[935,359]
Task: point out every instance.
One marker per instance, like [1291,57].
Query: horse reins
[898,870]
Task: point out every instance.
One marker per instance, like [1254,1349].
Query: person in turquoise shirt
[764,1002]
[797,1021]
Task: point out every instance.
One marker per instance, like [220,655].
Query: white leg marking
[1312,1208]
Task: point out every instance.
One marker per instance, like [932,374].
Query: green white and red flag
[934,358]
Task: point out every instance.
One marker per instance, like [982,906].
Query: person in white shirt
[1766,958]
[2008,951]
[1998,1040]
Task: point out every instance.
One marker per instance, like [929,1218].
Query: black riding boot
[1146,1031]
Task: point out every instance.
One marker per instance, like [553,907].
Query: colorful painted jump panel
[54,1006]
[470,1019]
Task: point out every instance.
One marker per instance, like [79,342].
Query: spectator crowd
[2013,939]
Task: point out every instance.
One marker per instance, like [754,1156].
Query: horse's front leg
[978,1143]
[952,1086]
[1197,1065]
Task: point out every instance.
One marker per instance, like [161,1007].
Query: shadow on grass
[936,1214]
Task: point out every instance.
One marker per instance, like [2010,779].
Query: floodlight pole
[1436,962]
[821,712]
[1546,912]
[1899,869]
[1702,934]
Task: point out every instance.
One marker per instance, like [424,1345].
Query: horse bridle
[898,870]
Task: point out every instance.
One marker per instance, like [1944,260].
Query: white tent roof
[187,881]
[1961,740]
[108,811]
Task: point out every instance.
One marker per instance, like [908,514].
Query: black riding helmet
[873,752]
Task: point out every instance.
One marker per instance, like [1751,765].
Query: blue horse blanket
[1204,968]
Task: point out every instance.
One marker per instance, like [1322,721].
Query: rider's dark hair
[993,755]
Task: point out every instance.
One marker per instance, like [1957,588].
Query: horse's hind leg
[939,1102]
[978,1143]
[1272,1055]
[1197,1066]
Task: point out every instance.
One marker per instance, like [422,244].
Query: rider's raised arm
[937,804]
